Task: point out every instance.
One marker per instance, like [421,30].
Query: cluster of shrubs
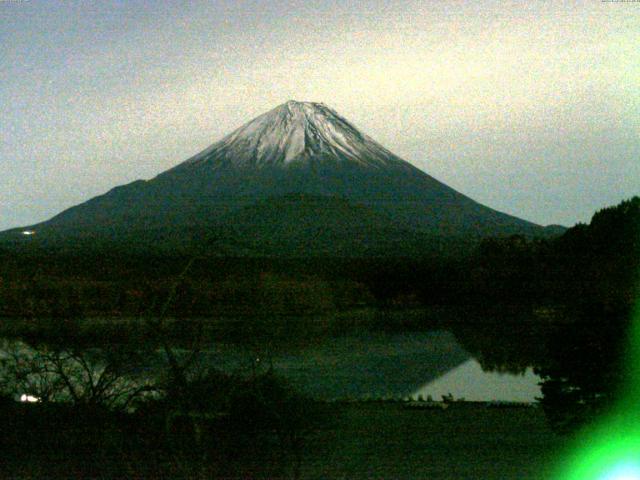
[202,424]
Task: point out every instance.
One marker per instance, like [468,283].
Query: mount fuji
[297,179]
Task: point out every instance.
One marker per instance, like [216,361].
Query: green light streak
[610,449]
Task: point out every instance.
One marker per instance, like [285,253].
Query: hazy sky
[532,108]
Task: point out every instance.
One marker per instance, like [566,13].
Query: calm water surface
[365,364]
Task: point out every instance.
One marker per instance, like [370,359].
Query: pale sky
[531,108]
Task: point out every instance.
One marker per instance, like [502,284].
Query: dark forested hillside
[597,271]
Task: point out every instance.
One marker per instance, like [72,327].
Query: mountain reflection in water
[470,382]
[361,365]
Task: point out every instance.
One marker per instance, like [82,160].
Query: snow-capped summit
[296,133]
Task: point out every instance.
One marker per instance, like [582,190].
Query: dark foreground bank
[356,441]
[463,442]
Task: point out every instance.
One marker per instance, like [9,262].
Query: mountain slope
[299,225]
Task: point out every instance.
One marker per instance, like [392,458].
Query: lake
[365,364]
